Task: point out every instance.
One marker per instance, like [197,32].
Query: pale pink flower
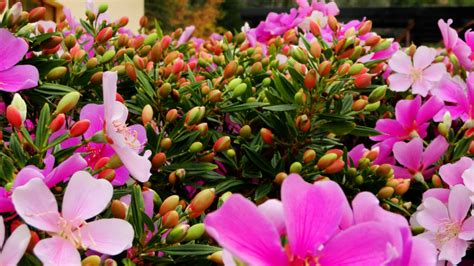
[446,225]
[84,198]
[15,246]
[421,75]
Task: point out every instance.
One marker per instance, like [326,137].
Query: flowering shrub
[114,145]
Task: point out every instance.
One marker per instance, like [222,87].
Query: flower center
[94,151]
[130,136]
[72,232]
[447,231]
[416,74]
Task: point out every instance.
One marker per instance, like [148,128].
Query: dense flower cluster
[325,143]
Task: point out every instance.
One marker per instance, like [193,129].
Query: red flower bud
[143,21]
[34,239]
[14,116]
[324,68]
[310,79]
[267,136]
[158,160]
[170,203]
[202,201]
[79,128]
[119,210]
[314,28]
[335,167]
[101,163]
[171,115]
[222,144]
[123,21]
[104,35]
[327,160]
[363,81]
[147,114]
[365,27]
[165,42]
[170,219]
[309,156]
[107,174]
[36,14]
[119,98]
[57,122]
[3,5]
[230,69]
[315,49]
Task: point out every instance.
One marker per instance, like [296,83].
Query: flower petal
[107,236]
[433,214]
[434,151]
[138,166]
[273,210]
[12,49]
[36,205]
[421,87]
[246,233]
[57,251]
[400,82]
[453,173]
[454,250]
[15,246]
[25,175]
[362,244]
[409,154]
[19,78]
[312,213]
[423,252]
[435,72]
[2,232]
[66,169]
[467,231]
[423,57]
[406,111]
[85,196]
[459,203]
[429,109]
[400,62]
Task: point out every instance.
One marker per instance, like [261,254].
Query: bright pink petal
[435,151]
[400,82]
[450,36]
[85,196]
[36,205]
[401,172]
[451,173]
[434,72]
[459,203]
[57,251]
[423,252]
[250,237]
[95,114]
[406,111]
[467,231]
[273,210]
[423,57]
[428,110]
[107,236]
[400,62]
[389,127]
[65,170]
[19,78]
[312,213]
[409,154]
[25,175]
[433,215]
[362,244]
[12,49]
[15,246]
[454,250]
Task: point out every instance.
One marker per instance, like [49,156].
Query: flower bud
[230,69]
[333,24]
[385,193]
[202,201]
[309,156]
[92,63]
[101,163]
[300,97]
[359,105]
[177,234]
[240,90]
[13,116]
[195,115]
[437,182]
[363,81]
[384,44]
[170,219]
[68,102]
[107,174]
[57,123]
[384,170]
[79,128]
[245,132]
[403,187]
[104,35]
[216,257]
[36,14]
[299,55]
[335,167]
[143,21]
[296,167]
[267,136]
[355,69]
[324,68]
[20,106]
[315,49]
[171,115]
[52,42]
[372,106]
[310,79]
[377,94]
[373,40]
[56,73]
[365,27]
[326,160]
[195,232]
[170,203]
[3,5]
[158,160]
[196,147]
[147,114]
[119,210]
[314,28]
[92,260]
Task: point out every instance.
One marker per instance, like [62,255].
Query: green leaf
[18,150]
[158,29]
[135,212]
[241,107]
[363,131]
[262,191]
[258,161]
[190,250]
[227,185]
[339,128]
[54,89]
[461,148]
[42,126]
[192,168]
[281,107]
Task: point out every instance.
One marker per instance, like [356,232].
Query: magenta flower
[14,77]
[446,225]
[187,33]
[15,246]
[125,141]
[417,163]
[51,176]
[459,95]
[312,215]
[84,198]
[454,44]
[469,37]
[421,75]
[456,173]
[411,120]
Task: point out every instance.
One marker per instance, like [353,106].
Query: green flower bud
[195,232]
[240,90]
[56,73]
[196,147]
[177,234]
[377,94]
[234,83]
[68,102]
[372,106]
[296,167]
[107,56]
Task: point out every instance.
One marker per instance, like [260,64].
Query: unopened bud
[196,147]
[385,193]
[92,260]
[107,174]
[384,170]
[202,201]
[169,204]
[310,79]
[365,27]
[359,105]
[13,116]
[315,49]
[177,234]
[36,14]
[171,115]
[299,55]
[372,106]
[240,90]
[296,167]
[377,94]
[309,156]
[147,114]
[195,115]
[326,160]
[267,136]
[384,44]
[216,257]
[97,78]
[403,187]
[104,35]
[79,128]
[158,160]
[324,68]
[195,232]
[355,69]
[335,167]
[56,73]
[230,69]
[363,81]
[245,132]
[57,123]
[170,219]
[119,210]
[20,106]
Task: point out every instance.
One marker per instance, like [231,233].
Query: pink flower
[126,141]
[15,246]
[15,78]
[456,173]
[469,37]
[311,217]
[454,44]
[84,198]
[411,120]
[446,225]
[188,31]
[416,161]
[421,75]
